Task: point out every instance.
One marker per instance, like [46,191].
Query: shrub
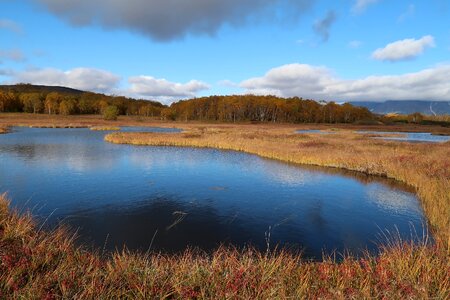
[111,113]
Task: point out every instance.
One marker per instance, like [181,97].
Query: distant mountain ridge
[31,88]
[406,107]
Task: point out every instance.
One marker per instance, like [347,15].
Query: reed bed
[36,264]
[105,128]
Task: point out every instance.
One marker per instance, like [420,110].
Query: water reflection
[314,131]
[173,198]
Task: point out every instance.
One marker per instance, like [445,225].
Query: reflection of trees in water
[78,157]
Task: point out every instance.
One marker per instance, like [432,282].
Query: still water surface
[171,198]
[425,137]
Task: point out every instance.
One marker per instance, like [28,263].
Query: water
[117,195]
[314,131]
[409,136]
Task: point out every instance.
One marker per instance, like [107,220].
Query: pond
[314,131]
[408,136]
[167,198]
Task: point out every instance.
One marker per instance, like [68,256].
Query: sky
[167,50]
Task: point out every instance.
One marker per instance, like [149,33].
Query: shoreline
[375,158]
[40,264]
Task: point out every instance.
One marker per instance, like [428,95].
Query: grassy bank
[4,129]
[85,121]
[105,128]
[36,264]
[79,121]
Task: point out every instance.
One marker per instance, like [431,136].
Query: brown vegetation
[4,129]
[105,128]
[239,108]
[235,108]
[63,101]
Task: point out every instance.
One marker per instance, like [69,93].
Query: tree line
[241,108]
[236,108]
[51,102]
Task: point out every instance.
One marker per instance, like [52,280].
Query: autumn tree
[52,103]
[32,102]
[67,106]
[111,113]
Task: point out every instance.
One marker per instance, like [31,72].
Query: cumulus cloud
[322,27]
[319,83]
[86,79]
[361,5]
[11,26]
[95,80]
[12,54]
[171,19]
[404,49]
[164,90]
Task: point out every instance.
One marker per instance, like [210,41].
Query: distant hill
[407,107]
[30,98]
[30,88]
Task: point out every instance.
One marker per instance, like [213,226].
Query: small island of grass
[105,128]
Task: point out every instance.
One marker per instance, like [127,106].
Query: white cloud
[86,79]
[404,49]
[361,5]
[318,83]
[95,80]
[11,26]
[12,54]
[164,90]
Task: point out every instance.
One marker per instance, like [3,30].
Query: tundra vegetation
[47,264]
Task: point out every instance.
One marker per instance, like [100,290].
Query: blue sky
[333,50]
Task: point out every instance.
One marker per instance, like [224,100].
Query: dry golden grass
[44,120]
[3,129]
[59,121]
[105,128]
